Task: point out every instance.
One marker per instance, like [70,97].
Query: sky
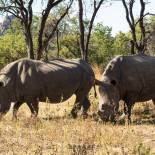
[114,15]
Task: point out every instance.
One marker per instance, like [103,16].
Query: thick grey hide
[29,80]
[128,78]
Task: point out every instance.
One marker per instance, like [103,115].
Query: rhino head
[108,100]
[5,102]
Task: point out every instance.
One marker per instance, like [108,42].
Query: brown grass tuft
[98,71]
[53,132]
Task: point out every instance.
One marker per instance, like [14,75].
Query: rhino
[127,78]
[31,81]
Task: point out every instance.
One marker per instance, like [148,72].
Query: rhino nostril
[104,106]
[99,113]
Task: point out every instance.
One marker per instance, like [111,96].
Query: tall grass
[53,132]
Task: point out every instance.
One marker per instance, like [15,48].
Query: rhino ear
[1,84]
[113,82]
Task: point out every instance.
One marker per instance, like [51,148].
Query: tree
[69,38]
[101,45]
[84,39]
[150,26]
[22,9]
[121,44]
[140,44]
[12,44]
[42,46]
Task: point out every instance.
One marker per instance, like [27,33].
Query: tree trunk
[82,29]
[29,44]
[58,47]
[39,52]
[43,46]
[132,47]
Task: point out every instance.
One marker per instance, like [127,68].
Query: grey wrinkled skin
[57,80]
[127,78]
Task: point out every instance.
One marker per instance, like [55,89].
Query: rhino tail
[95,94]
[97,82]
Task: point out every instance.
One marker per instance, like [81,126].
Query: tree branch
[82,30]
[45,15]
[96,8]
[142,28]
[19,9]
[46,42]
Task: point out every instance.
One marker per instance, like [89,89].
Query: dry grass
[54,133]
[98,71]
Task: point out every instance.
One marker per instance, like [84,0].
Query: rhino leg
[81,99]
[15,109]
[125,108]
[153,100]
[80,102]
[77,106]
[85,105]
[34,108]
[129,108]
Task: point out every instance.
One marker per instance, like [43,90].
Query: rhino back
[62,78]
[135,76]
[57,79]
[138,76]
[28,83]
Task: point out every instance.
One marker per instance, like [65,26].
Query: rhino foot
[73,115]
[84,115]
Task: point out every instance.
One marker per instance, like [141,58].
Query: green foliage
[101,45]
[12,44]
[151,41]
[70,46]
[121,44]
[12,47]
[141,149]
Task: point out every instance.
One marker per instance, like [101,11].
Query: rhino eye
[110,67]
[113,82]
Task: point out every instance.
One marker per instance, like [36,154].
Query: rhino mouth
[102,116]
[106,117]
